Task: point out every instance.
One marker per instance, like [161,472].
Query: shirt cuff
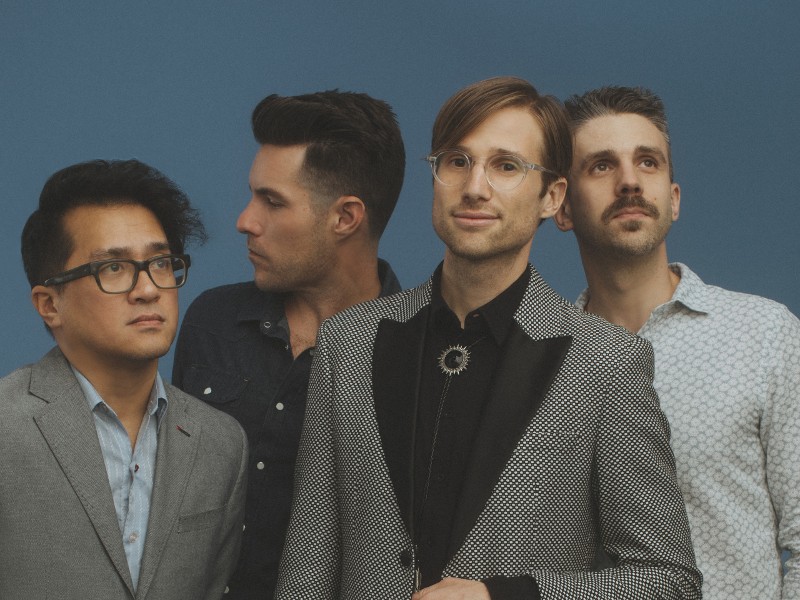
[512,588]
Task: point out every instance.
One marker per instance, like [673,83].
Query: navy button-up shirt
[233,352]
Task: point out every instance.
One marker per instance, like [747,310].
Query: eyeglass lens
[118,276]
[503,172]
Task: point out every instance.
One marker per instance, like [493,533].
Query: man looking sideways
[324,183]
[113,483]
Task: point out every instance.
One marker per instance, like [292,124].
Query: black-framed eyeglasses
[119,275]
[504,172]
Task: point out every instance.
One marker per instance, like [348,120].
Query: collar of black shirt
[497,314]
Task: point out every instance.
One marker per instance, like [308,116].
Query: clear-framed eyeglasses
[504,172]
[119,275]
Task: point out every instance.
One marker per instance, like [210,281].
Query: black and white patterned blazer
[572,454]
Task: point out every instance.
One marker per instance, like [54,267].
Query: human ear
[45,301]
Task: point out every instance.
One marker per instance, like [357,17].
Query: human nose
[477,184]
[628,183]
[144,288]
[246,223]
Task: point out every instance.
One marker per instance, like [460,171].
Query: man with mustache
[478,436]
[113,483]
[727,364]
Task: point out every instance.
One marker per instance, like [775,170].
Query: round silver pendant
[454,360]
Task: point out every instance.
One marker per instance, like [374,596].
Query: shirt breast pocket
[213,385]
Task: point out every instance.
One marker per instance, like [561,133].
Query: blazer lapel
[395,386]
[68,426]
[524,375]
[178,438]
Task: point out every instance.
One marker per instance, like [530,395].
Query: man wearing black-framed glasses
[107,470]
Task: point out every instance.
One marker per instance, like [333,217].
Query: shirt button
[133,537]
[260,466]
[267,324]
[312,352]
[244,526]
[279,406]
[227,589]
[207,391]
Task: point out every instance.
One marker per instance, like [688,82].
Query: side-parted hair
[354,146]
[46,245]
[472,105]
[615,100]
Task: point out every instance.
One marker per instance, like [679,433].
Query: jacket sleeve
[310,564]
[643,523]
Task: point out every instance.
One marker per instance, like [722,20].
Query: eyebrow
[122,252]
[493,152]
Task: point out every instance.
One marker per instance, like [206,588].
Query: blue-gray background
[173,84]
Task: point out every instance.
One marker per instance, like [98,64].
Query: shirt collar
[691,291]
[156,405]
[498,313]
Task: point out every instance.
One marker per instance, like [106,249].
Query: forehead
[277,164]
[507,130]
[620,134]
[96,229]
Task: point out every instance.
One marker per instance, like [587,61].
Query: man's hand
[454,589]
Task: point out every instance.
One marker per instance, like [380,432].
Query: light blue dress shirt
[130,470]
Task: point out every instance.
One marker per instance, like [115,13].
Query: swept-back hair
[354,146]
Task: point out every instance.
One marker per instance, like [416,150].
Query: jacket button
[405,558]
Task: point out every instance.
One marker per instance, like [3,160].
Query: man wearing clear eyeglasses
[113,484]
[478,436]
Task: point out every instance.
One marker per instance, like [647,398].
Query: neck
[625,291]
[467,285]
[124,385]
[348,283]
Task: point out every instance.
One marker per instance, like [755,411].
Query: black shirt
[233,352]
[450,409]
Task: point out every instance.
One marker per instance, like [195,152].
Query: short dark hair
[614,100]
[472,105]
[354,146]
[46,245]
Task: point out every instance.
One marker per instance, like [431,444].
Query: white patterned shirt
[130,470]
[728,376]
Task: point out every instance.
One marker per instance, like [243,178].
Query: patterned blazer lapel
[396,368]
[178,440]
[68,427]
[524,375]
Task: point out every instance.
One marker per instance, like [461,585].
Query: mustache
[625,202]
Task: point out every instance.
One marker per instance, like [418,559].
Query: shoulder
[225,299]
[215,423]
[401,306]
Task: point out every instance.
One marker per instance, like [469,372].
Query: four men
[113,484]
[324,184]
[478,436]
[475,437]
[727,364]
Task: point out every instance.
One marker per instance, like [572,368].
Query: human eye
[113,269]
[600,167]
[505,165]
[454,160]
[161,263]
[649,163]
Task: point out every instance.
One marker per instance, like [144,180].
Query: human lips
[147,320]
[473,218]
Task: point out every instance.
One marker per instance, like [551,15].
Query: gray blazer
[59,536]
[572,454]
